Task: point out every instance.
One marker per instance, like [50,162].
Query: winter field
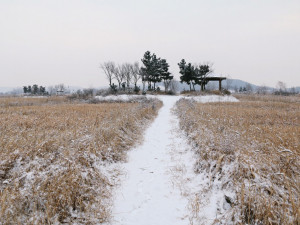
[248,154]
[56,157]
[203,160]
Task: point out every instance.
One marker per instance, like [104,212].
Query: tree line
[154,70]
[34,90]
[125,74]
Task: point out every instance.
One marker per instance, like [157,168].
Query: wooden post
[220,85]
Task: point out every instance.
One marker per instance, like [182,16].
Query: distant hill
[232,85]
[5,89]
[11,90]
[236,84]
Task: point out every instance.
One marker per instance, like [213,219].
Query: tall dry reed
[253,147]
[54,158]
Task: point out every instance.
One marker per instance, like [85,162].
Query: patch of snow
[201,98]
[122,98]
[214,98]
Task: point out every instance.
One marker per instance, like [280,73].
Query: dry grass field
[30,101]
[252,149]
[54,154]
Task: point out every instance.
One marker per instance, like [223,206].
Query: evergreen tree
[156,70]
[25,89]
[151,71]
[190,74]
[147,69]
[200,74]
[193,75]
[187,72]
[165,74]
[29,89]
[42,90]
[35,89]
[182,68]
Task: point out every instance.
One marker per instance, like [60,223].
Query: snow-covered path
[160,186]
[147,196]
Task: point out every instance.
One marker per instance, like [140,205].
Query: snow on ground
[122,98]
[147,195]
[200,98]
[215,98]
[160,186]
[206,203]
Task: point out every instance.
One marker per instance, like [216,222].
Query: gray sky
[64,41]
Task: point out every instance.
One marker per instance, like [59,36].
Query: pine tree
[146,70]
[42,90]
[35,89]
[156,70]
[200,74]
[165,74]
[187,72]
[152,69]
[193,75]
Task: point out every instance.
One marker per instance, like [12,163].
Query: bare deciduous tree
[173,86]
[127,68]
[249,88]
[281,86]
[120,74]
[51,90]
[60,89]
[136,73]
[262,89]
[109,70]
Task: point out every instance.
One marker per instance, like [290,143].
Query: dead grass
[268,98]
[206,92]
[53,157]
[253,147]
[32,100]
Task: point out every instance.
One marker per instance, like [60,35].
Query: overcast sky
[64,41]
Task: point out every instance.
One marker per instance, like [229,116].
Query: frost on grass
[249,151]
[57,160]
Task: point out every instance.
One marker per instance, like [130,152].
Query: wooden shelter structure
[207,79]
